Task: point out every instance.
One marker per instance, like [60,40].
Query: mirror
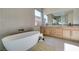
[62,16]
[56,20]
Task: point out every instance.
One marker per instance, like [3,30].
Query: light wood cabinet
[53,31]
[57,32]
[75,35]
[47,31]
[66,34]
[42,29]
[69,33]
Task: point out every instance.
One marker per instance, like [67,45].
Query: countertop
[63,26]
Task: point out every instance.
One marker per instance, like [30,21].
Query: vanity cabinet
[66,34]
[42,30]
[53,32]
[69,33]
[57,32]
[47,31]
[75,35]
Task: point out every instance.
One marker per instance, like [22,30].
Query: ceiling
[57,11]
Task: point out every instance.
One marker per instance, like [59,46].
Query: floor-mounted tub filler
[21,42]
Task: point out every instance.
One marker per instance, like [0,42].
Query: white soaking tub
[21,42]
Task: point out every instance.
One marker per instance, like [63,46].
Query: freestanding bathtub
[21,42]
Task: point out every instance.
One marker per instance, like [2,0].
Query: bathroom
[55,27]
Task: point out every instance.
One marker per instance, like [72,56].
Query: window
[46,19]
[37,13]
[38,19]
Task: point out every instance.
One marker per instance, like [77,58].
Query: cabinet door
[53,31]
[75,35]
[66,34]
[42,29]
[59,32]
[48,31]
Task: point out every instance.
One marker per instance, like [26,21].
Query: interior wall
[50,19]
[76,16]
[12,19]
[73,16]
[69,16]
